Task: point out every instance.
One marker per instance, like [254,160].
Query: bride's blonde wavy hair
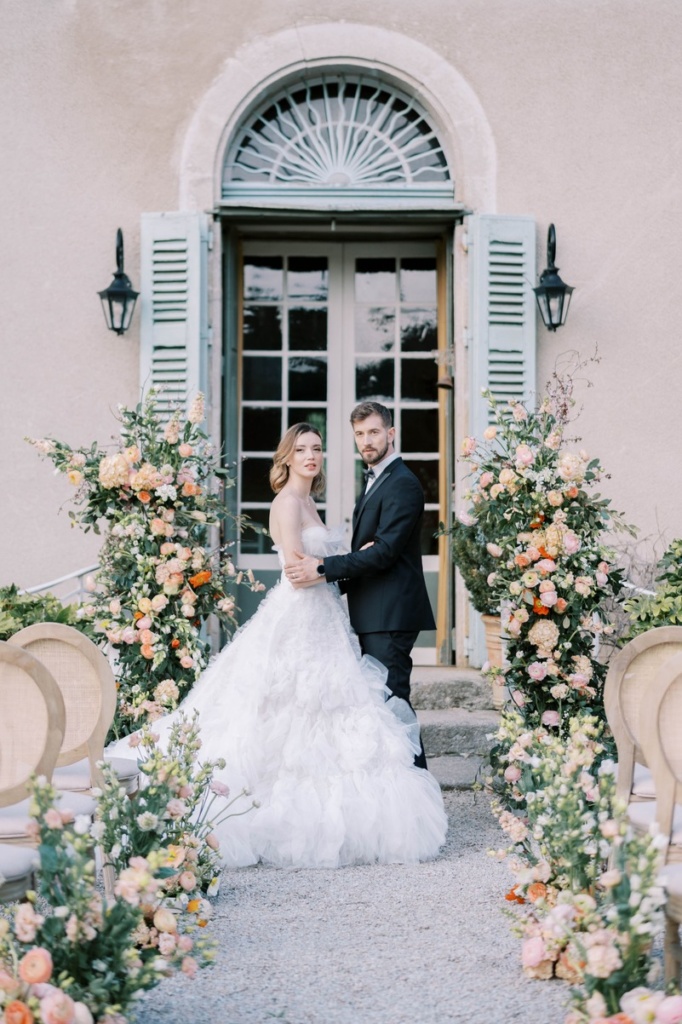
[279,473]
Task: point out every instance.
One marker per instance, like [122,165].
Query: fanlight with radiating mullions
[337,133]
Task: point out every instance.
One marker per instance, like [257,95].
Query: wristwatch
[320,569]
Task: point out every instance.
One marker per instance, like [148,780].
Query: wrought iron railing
[80,577]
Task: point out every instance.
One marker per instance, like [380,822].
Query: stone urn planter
[495,649]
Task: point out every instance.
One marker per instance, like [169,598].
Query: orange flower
[138,615]
[537,521]
[539,608]
[522,560]
[18,1012]
[175,644]
[513,897]
[544,553]
[145,497]
[193,906]
[147,651]
[200,578]
[190,489]
[536,891]
[572,492]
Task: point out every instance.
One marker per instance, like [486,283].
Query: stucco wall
[583,99]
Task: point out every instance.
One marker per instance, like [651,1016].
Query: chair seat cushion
[17,862]
[15,818]
[643,815]
[76,777]
[643,783]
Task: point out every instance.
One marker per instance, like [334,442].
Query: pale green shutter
[174,298]
[502,312]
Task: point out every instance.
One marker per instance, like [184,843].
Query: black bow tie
[368,473]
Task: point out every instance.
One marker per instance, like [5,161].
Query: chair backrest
[31,722]
[662,739]
[86,681]
[631,674]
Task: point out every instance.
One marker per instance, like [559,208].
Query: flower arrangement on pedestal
[87,959]
[532,498]
[159,494]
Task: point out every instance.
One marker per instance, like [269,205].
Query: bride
[301,717]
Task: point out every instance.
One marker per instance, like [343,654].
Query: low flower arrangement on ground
[74,958]
[173,816]
[159,494]
[532,500]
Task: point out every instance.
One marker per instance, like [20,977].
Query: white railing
[79,592]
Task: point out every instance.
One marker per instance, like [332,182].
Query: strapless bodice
[320,541]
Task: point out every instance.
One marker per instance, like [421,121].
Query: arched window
[338,140]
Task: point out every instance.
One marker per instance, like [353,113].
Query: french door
[323,327]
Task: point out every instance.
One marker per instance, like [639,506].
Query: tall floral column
[157,494]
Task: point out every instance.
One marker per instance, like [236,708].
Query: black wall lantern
[554,297]
[118,300]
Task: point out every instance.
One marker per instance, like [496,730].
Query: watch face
[320,570]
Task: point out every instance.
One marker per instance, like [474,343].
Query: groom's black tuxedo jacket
[385,583]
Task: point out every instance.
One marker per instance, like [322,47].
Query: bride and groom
[310,710]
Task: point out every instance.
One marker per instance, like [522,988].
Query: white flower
[81,825]
[167,492]
[97,830]
[147,821]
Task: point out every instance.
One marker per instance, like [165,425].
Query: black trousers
[393,649]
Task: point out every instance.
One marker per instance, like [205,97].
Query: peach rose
[35,967]
[164,920]
[490,433]
[147,651]
[185,450]
[188,881]
[17,1012]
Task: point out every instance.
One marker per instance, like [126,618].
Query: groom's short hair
[365,409]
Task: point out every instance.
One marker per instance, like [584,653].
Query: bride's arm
[285,528]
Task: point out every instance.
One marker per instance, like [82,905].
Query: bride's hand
[369,544]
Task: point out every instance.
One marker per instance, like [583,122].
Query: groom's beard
[370,458]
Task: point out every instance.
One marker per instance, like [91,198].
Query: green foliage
[665,607]
[18,610]
[471,557]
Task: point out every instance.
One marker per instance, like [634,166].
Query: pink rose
[466,519]
[601,578]
[53,818]
[185,450]
[524,456]
[550,718]
[468,446]
[572,543]
[513,627]
[144,623]
[549,598]
[212,841]
[115,607]
[186,661]
[494,549]
[545,566]
[518,698]
[669,1010]
[167,548]
[537,671]
[486,479]
[188,881]
[128,636]
[158,527]
[533,951]
[189,966]
[57,1008]
[167,943]
[219,788]
[512,773]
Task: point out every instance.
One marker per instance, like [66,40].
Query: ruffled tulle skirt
[302,722]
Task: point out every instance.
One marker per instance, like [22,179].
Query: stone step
[436,687]
[458,773]
[457,731]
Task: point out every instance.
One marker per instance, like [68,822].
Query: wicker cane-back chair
[631,674]
[662,740]
[31,731]
[88,687]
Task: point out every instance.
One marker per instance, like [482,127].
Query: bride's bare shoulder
[284,511]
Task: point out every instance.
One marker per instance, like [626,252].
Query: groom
[382,576]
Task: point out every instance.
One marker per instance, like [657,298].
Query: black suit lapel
[359,505]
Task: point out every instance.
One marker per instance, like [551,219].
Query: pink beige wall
[584,101]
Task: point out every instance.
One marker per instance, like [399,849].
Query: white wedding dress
[302,721]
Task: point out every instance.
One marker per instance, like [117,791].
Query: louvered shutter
[174,297]
[502,312]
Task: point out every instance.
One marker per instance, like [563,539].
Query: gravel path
[426,944]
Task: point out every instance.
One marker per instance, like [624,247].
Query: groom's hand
[303,570]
